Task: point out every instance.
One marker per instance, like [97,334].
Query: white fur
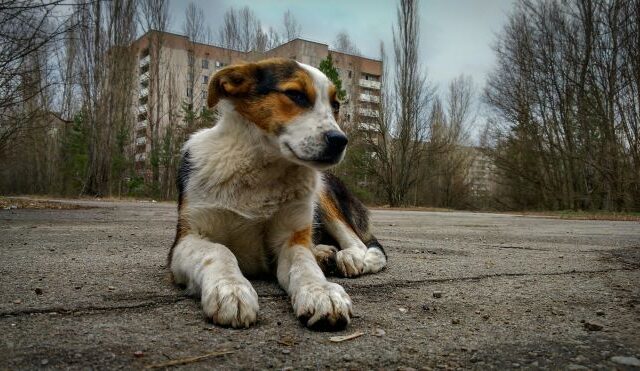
[354,258]
[303,139]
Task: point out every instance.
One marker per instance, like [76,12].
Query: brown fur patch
[333,100]
[329,208]
[182,229]
[230,81]
[270,112]
[257,91]
[301,237]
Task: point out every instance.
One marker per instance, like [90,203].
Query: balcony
[141,157]
[142,110]
[144,92]
[367,126]
[369,98]
[141,141]
[144,78]
[368,112]
[142,125]
[144,62]
[370,84]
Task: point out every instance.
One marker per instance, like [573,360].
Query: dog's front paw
[322,306]
[231,303]
[326,257]
[374,260]
[354,262]
[350,262]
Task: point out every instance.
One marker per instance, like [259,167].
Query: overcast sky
[456,35]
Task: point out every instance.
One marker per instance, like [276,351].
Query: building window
[205,79]
[203,94]
[205,64]
[349,73]
[189,92]
[192,59]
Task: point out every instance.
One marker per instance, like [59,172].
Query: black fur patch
[183,175]
[268,76]
[355,213]
[374,244]
[181,182]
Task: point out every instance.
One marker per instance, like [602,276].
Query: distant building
[482,174]
[186,67]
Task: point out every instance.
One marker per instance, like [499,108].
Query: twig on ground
[341,338]
[184,361]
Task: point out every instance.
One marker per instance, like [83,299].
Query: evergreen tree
[327,67]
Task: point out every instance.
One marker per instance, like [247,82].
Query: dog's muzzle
[335,143]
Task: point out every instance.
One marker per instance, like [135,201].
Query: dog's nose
[336,141]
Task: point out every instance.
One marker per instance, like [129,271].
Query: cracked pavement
[88,288]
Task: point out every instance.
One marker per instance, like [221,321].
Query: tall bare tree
[154,19]
[343,43]
[565,98]
[29,32]
[401,128]
[292,28]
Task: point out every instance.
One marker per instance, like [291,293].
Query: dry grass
[7,203]
[586,215]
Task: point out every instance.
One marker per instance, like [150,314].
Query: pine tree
[327,67]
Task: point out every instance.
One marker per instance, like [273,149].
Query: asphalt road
[88,288]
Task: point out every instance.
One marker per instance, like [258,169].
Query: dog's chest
[258,193]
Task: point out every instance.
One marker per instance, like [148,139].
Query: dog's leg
[316,302]
[355,258]
[211,270]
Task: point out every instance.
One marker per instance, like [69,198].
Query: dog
[254,199]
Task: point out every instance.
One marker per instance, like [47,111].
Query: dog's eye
[298,97]
[336,106]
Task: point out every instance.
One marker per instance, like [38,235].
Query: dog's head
[294,103]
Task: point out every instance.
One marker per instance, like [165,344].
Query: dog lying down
[254,199]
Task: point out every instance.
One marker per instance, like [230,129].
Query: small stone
[516,365]
[347,357]
[110,288]
[425,307]
[138,354]
[477,312]
[600,312]
[627,361]
[592,326]
[379,332]
[38,291]
[534,364]
[44,362]
[485,316]
[437,294]
[573,366]
[580,358]
[286,351]
[455,321]
[17,301]
[402,310]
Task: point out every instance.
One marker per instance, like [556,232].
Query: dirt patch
[19,203]
[584,215]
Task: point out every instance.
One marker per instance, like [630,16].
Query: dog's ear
[233,81]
